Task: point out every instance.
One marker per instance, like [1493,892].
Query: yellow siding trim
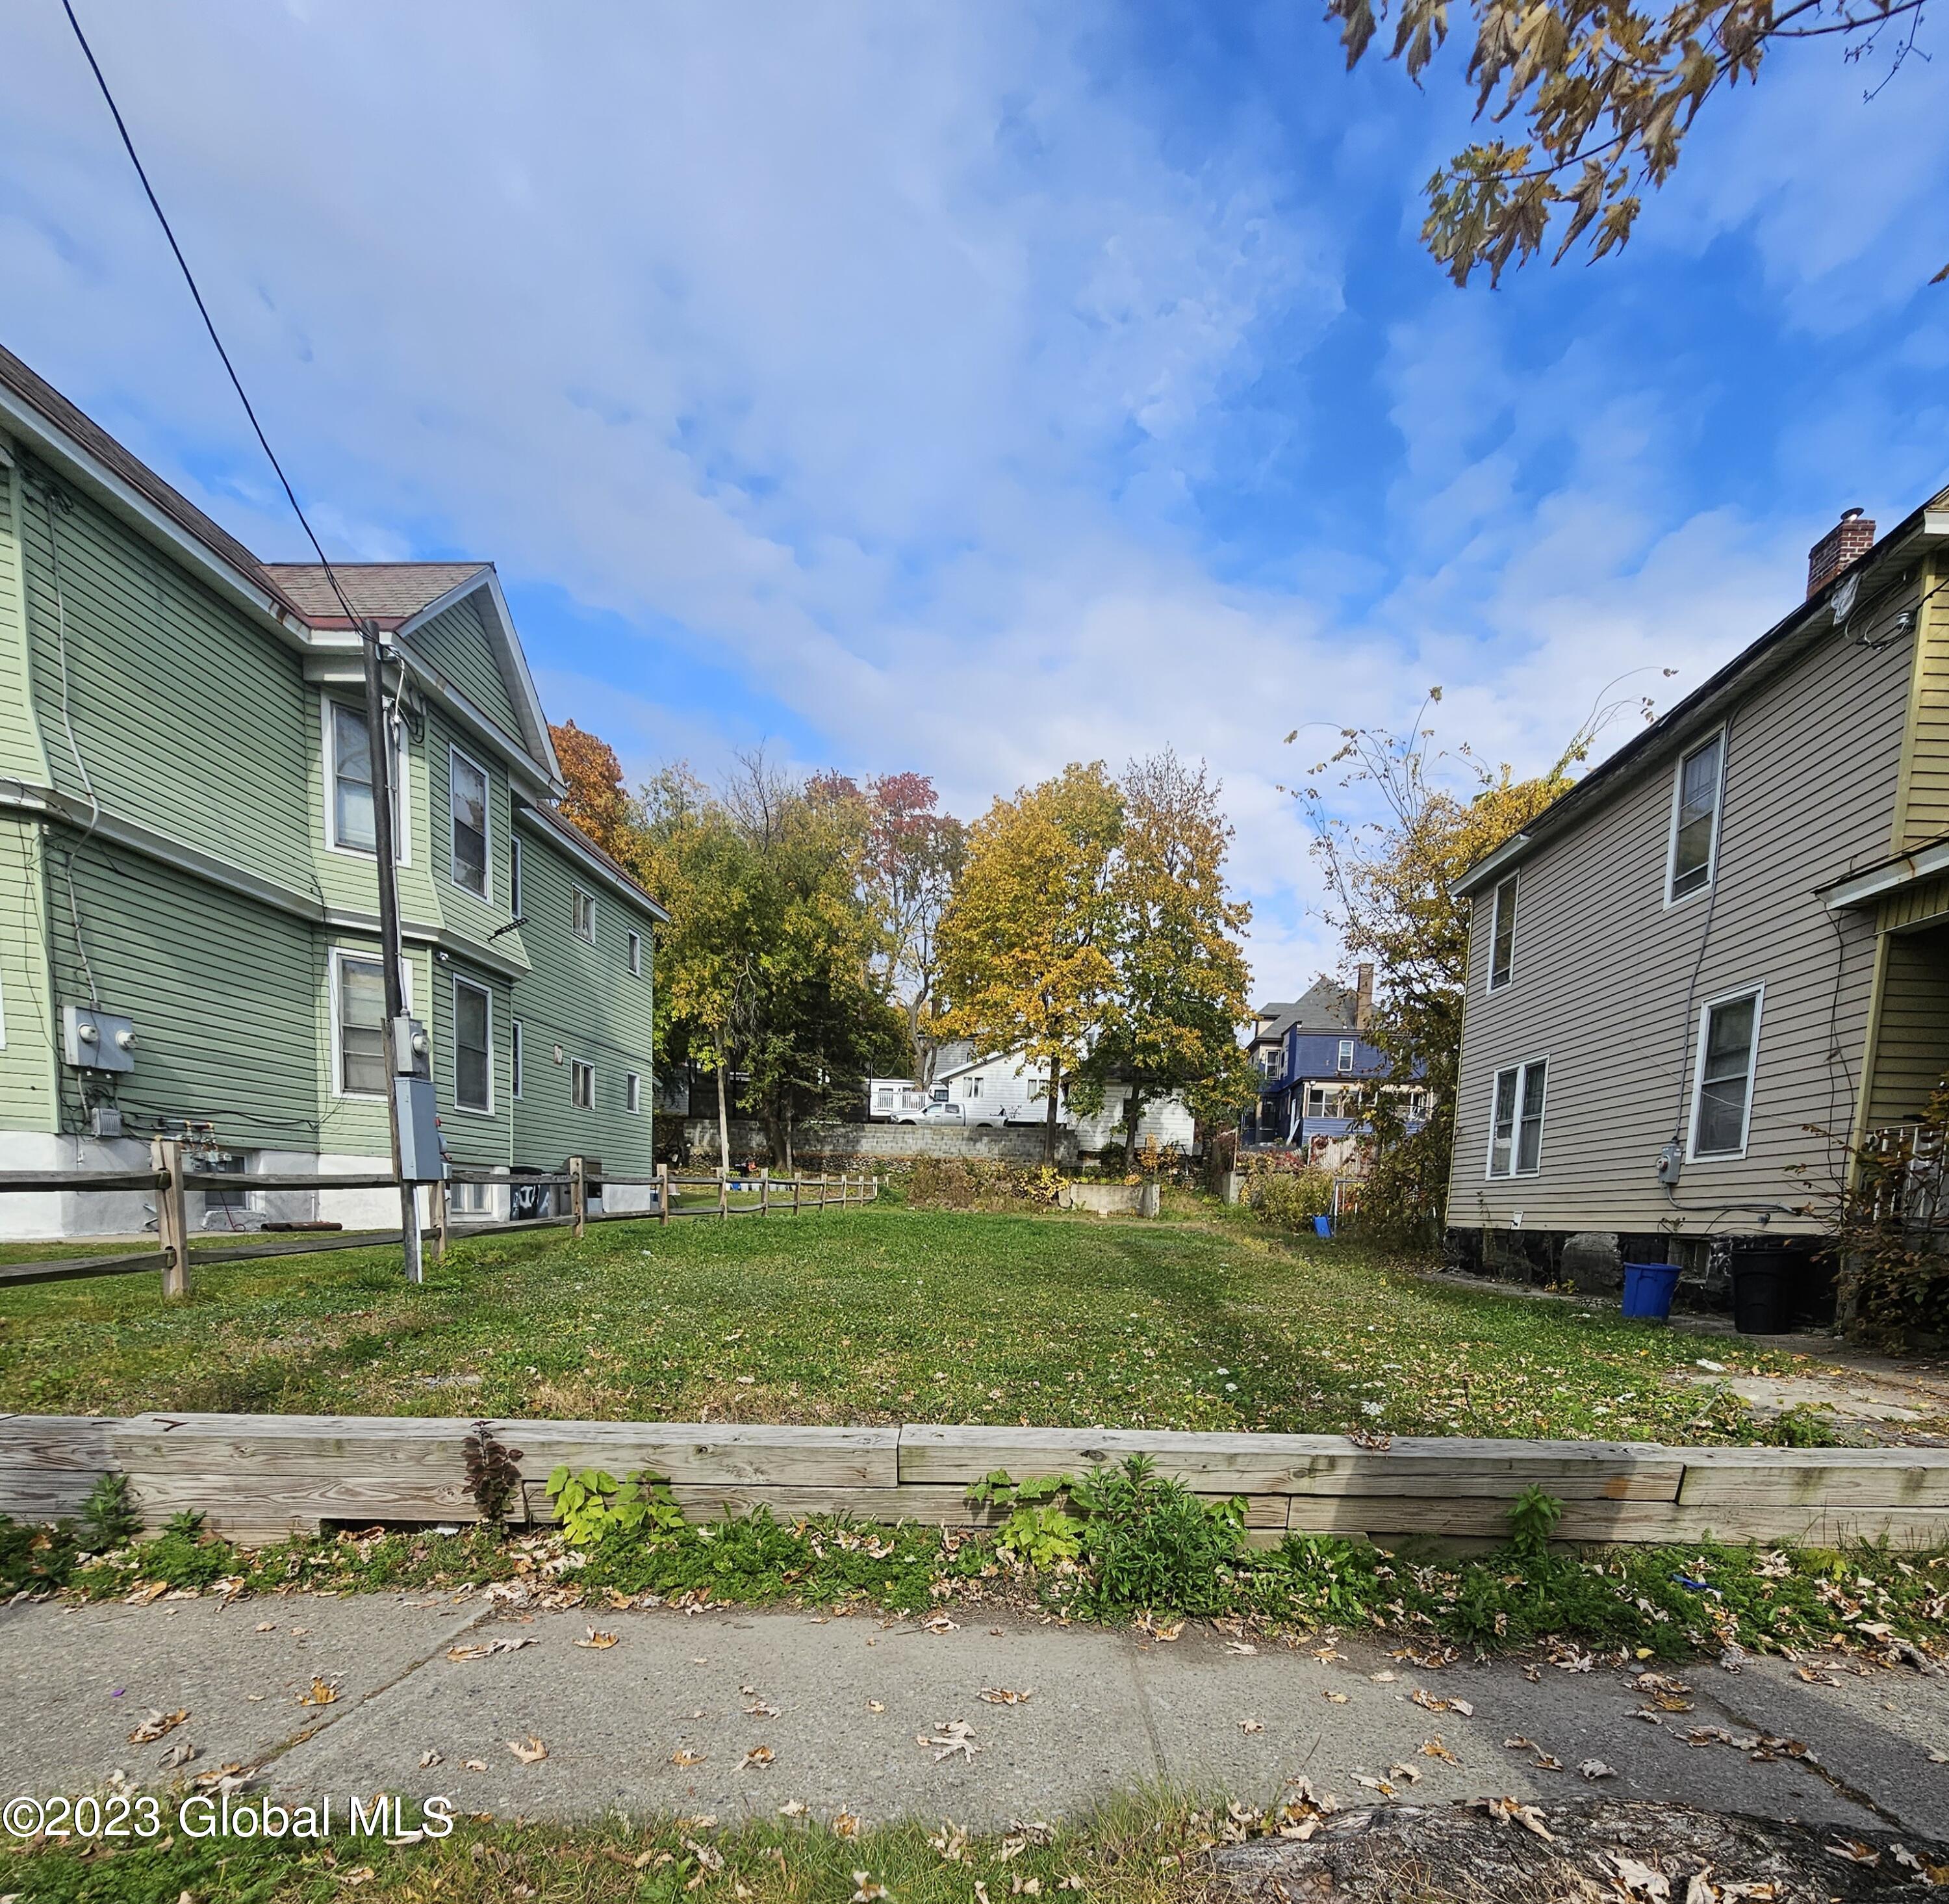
[1922,789]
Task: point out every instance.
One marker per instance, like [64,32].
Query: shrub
[1152,1543]
[981,1183]
[1289,1198]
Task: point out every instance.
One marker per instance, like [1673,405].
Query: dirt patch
[1498,1852]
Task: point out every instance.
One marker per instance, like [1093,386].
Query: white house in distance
[1008,1088]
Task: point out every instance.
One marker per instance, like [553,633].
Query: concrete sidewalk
[663,1721]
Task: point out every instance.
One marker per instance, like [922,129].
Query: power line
[203,309]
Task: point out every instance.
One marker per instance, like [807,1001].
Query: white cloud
[877,359]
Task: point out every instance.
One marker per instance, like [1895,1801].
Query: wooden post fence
[765,1191]
[663,1192]
[796,1181]
[172,1215]
[578,1197]
[437,1198]
[723,1191]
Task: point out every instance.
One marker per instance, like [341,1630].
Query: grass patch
[878,1314]
[1148,1850]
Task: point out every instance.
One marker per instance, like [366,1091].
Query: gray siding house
[1722,956]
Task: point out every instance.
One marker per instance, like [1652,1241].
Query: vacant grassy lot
[872,1314]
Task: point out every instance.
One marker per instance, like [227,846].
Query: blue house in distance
[1318,1071]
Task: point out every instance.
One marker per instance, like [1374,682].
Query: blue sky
[972,388]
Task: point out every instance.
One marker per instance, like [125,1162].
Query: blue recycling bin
[1322,1226]
[1649,1288]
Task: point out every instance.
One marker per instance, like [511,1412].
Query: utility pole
[391,951]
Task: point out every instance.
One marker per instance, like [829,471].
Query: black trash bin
[1763,1278]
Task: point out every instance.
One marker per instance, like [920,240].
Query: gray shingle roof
[388,592]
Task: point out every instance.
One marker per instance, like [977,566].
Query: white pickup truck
[958,1116]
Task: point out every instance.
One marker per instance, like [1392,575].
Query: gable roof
[1326,1005]
[1778,649]
[386,592]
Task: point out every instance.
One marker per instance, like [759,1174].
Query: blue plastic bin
[1322,1226]
[1648,1289]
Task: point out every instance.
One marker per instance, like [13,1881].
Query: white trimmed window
[349,803]
[1503,936]
[1345,1060]
[582,913]
[636,953]
[1695,800]
[632,1091]
[473,1047]
[467,803]
[1515,1125]
[517,1054]
[581,1084]
[359,1067]
[470,1199]
[1722,1093]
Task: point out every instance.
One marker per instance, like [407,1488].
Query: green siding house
[186,842]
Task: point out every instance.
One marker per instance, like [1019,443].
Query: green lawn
[878,1314]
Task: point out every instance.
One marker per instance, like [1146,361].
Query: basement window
[1516,1126]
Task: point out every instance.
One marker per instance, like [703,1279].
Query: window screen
[467,795]
[1725,1077]
[1696,822]
[472,1055]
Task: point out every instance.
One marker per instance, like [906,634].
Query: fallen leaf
[428,1758]
[845,1824]
[1640,1880]
[597,1642]
[1407,1772]
[1514,1811]
[1334,1698]
[940,1623]
[476,1765]
[793,1808]
[1006,1695]
[955,1735]
[1383,1678]
[1595,1768]
[1250,1725]
[362,1875]
[1545,1762]
[1428,1703]
[1438,1748]
[864,1892]
[265,1626]
[1243,1647]
[875,1705]
[759,1709]
[178,1754]
[533,1753]
[685,1759]
[323,1693]
[484,1649]
[1854,1851]
[759,1755]
[156,1724]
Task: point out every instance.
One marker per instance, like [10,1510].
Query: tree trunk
[790,1168]
[723,1111]
[1134,1115]
[1048,1119]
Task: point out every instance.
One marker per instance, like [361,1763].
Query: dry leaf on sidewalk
[1595,1768]
[156,1724]
[597,1642]
[955,1735]
[1334,1698]
[533,1753]
[685,1759]
[482,1649]
[759,1755]
[1251,1725]
[323,1693]
[759,1709]
[476,1765]
[1006,1695]
[428,1758]
[1438,1748]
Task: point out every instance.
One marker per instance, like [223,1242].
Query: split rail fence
[170,1180]
[260,1478]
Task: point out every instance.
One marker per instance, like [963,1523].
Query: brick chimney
[1363,996]
[1854,535]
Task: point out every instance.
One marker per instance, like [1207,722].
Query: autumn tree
[767,969]
[913,854]
[595,801]
[1603,93]
[1023,942]
[1390,881]
[1177,993]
